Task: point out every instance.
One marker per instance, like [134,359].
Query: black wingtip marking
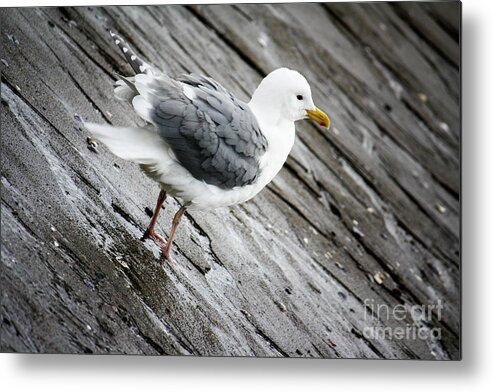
[133,60]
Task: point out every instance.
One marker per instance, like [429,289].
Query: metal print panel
[274,180]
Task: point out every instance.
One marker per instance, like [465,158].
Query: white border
[88,374]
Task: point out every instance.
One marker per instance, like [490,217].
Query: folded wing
[215,136]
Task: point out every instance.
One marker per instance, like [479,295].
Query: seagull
[201,144]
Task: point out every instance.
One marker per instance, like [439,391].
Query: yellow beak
[319,116]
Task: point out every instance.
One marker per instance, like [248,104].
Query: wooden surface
[366,212]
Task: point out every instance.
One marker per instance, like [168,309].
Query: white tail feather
[143,107]
[134,144]
[123,91]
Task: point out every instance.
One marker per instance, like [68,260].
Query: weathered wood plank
[368,211]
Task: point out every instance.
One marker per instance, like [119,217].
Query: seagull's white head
[285,94]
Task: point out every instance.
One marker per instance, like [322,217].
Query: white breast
[203,196]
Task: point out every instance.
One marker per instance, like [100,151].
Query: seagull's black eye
[299,97]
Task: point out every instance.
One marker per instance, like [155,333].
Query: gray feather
[215,136]
[137,64]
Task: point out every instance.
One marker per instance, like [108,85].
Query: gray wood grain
[367,211]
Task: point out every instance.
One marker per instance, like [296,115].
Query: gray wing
[215,136]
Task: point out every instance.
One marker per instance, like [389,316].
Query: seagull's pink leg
[150,233]
[176,221]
